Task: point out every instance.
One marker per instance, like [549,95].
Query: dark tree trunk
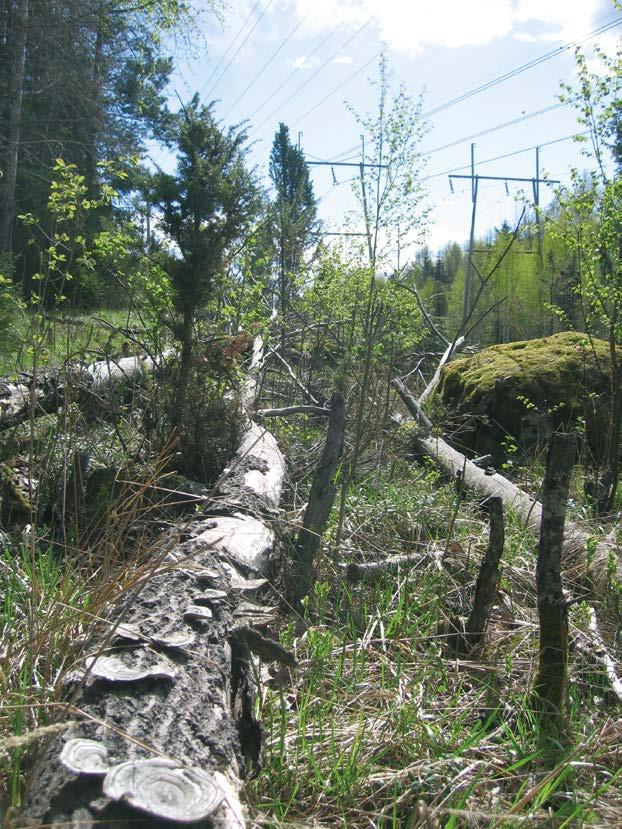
[321,500]
[488,577]
[13,132]
[550,683]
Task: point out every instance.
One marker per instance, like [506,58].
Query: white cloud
[609,43]
[411,26]
[345,59]
[305,63]
[527,37]
[566,19]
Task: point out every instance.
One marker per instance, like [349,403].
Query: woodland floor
[378,726]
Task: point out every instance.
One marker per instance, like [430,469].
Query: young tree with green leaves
[390,190]
[293,213]
[590,224]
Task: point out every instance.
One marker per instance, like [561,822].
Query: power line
[267,63]
[240,47]
[507,75]
[296,69]
[367,94]
[229,47]
[518,71]
[311,77]
[508,155]
[511,123]
[337,88]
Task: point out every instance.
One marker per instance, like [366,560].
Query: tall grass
[381,727]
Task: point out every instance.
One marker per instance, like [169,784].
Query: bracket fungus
[203,575]
[241,584]
[177,639]
[114,669]
[129,633]
[249,614]
[212,595]
[197,613]
[164,789]
[85,756]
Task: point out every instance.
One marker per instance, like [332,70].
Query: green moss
[514,384]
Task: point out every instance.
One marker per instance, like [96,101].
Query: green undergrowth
[43,602]
[380,726]
[85,337]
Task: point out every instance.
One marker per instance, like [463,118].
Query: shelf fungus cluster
[158,786]
[164,691]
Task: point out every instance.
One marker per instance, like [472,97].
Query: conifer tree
[293,214]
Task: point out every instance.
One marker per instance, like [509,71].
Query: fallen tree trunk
[43,392]
[360,570]
[579,564]
[165,697]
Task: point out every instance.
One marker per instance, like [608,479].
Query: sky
[301,61]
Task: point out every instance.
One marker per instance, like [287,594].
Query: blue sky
[299,61]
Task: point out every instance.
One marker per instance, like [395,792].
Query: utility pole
[362,165]
[469,271]
[536,204]
[475,179]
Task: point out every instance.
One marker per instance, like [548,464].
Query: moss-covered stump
[524,389]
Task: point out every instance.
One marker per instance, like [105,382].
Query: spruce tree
[293,214]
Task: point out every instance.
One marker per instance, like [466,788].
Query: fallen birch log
[165,696]
[578,562]
[43,392]
[360,570]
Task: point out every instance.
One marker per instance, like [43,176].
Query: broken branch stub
[551,679]
[321,499]
[487,582]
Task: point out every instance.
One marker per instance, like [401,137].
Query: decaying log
[321,500]
[551,679]
[360,570]
[577,562]
[286,411]
[46,390]
[602,655]
[165,694]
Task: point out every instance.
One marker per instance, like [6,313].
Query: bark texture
[487,582]
[321,500]
[550,683]
[359,571]
[166,696]
[16,82]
